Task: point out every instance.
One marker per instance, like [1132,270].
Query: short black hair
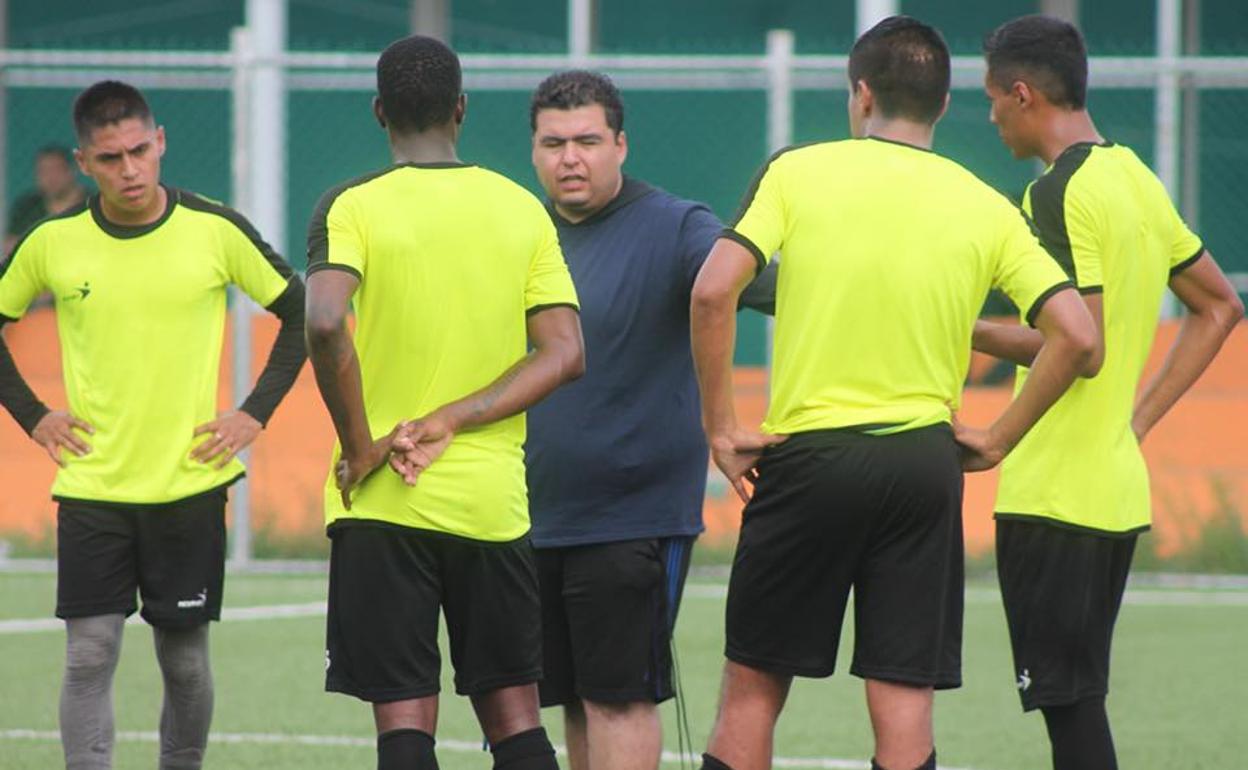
[106,103]
[56,150]
[419,82]
[906,64]
[1047,53]
[578,88]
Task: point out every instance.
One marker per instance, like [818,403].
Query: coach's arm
[557,357]
[713,328]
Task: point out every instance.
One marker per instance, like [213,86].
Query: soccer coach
[889,253]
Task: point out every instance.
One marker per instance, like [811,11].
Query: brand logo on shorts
[1024,680]
[198,601]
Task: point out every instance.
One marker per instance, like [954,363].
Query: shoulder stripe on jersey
[72,211]
[758,179]
[196,202]
[1048,205]
[318,230]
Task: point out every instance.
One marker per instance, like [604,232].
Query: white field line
[713,591]
[444,744]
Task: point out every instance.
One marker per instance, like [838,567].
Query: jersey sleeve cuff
[1095,289]
[737,237]
[1185,264]
[1044,297]
[317,267]
[547,306]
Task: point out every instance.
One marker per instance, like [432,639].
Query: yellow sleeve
[1084,232]
[549,283]
[24,276]
[334,240]
[1023,269]
[1185,246]
[252,264]
[760,224]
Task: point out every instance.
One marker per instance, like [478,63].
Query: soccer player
[56,190]
[1074,493]
[139,273]
[617,461]
[450,266]
[889,252]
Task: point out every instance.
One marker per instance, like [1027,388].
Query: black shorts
[608,611]
[835,510]
[386,585]
[173,554]
[1062,589]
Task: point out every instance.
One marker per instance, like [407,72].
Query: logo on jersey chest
[79,293]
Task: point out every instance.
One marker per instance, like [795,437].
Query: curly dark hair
[578,88]
[419,83]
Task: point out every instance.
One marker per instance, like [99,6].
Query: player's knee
[183,658]
[93,647]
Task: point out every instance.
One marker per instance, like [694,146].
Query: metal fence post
[1166,109]
[240,311]
[780,47]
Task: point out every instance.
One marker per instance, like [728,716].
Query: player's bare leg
[749,705]
[623,736]
[901,716]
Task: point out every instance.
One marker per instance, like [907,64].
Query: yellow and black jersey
[1109,222]
[451,258]
[889,251]
[141,317]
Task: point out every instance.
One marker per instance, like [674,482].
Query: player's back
[889,251]
[1109,222]
[450,258]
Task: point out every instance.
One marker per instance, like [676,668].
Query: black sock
[930,764]
[710,762]
[1080,736]
[529,750]
[406,749]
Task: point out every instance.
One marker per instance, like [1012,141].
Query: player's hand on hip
[418,444]
[353,468]
[736,453]
[979,448]
[228,435]
[58,430]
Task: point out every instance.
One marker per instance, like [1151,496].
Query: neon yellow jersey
[1111,225]
[889,252]
[451,258]
[140,313]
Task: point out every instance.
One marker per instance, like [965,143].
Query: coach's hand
[418,444]
[353,469]
[56,431]
[980,449]
[229,434]
[736,453]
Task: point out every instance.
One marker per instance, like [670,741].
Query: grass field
[1181,666]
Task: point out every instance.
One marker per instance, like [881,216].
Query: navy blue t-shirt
[620,454]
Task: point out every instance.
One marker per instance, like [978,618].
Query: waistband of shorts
[340,525]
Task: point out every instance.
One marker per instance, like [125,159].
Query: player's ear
[944,108]
[866,99]
[461,109]
[1022,93]
[81,159]
[378,113]
[160,141]
[621,142]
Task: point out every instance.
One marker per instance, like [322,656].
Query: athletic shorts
[608,611]
[387,584]
[1062,589]
[836,510]
[173,554]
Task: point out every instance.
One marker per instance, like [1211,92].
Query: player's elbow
[1231,313]
[1086,349]
[1094,359]
[709,297]
[320,326]
[574,361]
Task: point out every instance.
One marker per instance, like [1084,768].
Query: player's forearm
[285,359]
[16,395]
[524,384]
[713,329]
[1199,339]
[337,370]
[1011,342]
[1054,369]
